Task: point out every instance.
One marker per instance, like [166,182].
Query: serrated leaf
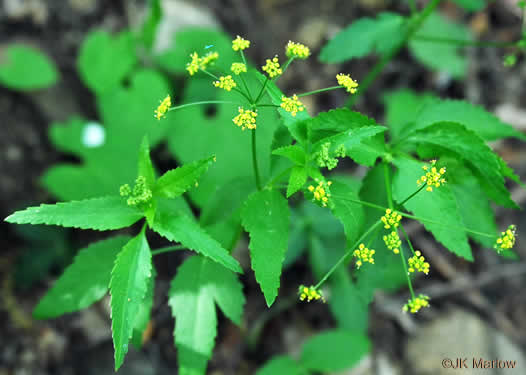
[178,227]
[128,286]
[281,365]
[177,181]
[439,206]
[84,281]
[456,138]
[298,177]
[197,285]
[104,61]
[143,315]
[265,216]
[145,167]
[294,153]
[26,68]
[473,117]
[444,57]
[334,350]
[365,36]
[349,213]
[107,213]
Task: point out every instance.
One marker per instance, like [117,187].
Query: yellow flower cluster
[321,192]
[225,82]
[200,62]
[418,263]
[297,50]
[208,59]
[239,44]
[272,67]
[346,81]
[140,193]
[163,107]
[238,68]
[246,118]
[363,254]
[433,176]
[506,240]
[392,241]
[310,293]
[292,105]
[415,304]
[391,219]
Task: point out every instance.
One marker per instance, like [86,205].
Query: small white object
[93,135]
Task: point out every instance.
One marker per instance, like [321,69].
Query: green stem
[201,103]
[268,105]
[167,249]
[347,253]
[402,256]
[279,176]
[255,160]
[407,239]
[412,195]
[246,88]
[262,90]
[320,90]
[243,57]
[414,25]
[387,181]
[284,69]
[467,43]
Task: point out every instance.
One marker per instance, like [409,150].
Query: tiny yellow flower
[321,193]
[506,240]
[418,263]
[193,65]
[226,83]
[310,293]
[363,254]
[391,219]
[140,194]
[392,241]
[165,105]
[238,68]
[346,81]
[208,59]
[415,304]
[246,118]
[240,44]
[272,67]
[297,50]
[433,177]
[292,105]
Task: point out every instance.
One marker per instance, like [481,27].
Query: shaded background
[479,309]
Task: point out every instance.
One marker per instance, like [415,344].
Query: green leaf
[281,365]
[473,117]
[334,350]
[265,216]
[143,315]
[127,116]
[149,27]
[440,56]
[104,61]
[365,36]
[26,68]
[439,206]
[294,153]
[198,284]
[349,213]
[456,138]
[176,181]
[178,227]
[145,167]
[128,286]
[84,281]
[298,177]
[105,213]
[471,5]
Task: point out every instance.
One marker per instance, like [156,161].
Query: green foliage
[25,68]
[364,37]
[471,5]
[198,286]
[265,216]
[443,57]
[149,27]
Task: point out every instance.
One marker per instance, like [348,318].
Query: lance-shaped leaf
[438,206]
[175,182]
[199,284]
[143,316]
[128,286]
[84,281]
[178,227]
[265,216]
[106,213]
